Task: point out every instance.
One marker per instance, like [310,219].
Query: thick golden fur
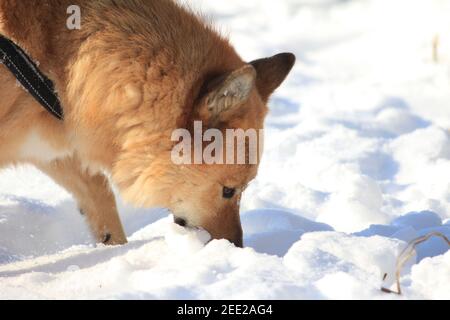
[135,71]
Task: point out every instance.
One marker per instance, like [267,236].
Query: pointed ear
[271,72]
[229,93]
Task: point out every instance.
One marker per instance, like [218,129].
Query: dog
[135,71]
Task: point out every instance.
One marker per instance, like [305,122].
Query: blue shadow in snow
[379,166]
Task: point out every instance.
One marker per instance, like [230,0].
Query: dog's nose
[239,243]
[180,221]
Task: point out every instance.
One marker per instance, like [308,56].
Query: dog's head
[220,155]
[213,157]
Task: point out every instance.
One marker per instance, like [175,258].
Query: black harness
[30,77]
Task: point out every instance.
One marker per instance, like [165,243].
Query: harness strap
[30,77]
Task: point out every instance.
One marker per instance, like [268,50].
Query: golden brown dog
[135,71]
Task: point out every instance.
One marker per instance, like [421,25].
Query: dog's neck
[40,29]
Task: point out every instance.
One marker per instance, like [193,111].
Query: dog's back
[172,48]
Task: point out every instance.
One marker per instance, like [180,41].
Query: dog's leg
[95,198]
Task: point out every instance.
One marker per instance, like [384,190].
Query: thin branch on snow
[406,254]
[436,48]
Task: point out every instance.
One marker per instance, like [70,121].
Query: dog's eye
[228,193]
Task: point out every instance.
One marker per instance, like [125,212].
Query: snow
[418,220]
[356,164]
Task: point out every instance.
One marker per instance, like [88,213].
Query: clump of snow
[375,256]
[412,226]
[418,220]
[356,164]
[274,231]
[397,121]
[186,241]
[431,277]
[358,202]
[435,246]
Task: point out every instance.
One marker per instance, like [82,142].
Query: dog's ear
[227,95]
[271,72]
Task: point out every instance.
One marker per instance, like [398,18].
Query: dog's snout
[180,221]
[239,243]
[234,234]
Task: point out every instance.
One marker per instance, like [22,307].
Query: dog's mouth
[183,223]
[180,221]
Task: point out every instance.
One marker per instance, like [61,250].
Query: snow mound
[418,220]
[274,231]
[412,226]
[431,277]
[322,265]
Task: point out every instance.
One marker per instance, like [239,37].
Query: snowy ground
[357,141]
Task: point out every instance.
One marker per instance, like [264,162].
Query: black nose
[181,222]
[239,243]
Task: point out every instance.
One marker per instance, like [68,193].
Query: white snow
[356,164]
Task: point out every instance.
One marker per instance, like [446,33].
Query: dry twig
[406,254]
[436,48]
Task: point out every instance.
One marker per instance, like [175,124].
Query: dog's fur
[136,71]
